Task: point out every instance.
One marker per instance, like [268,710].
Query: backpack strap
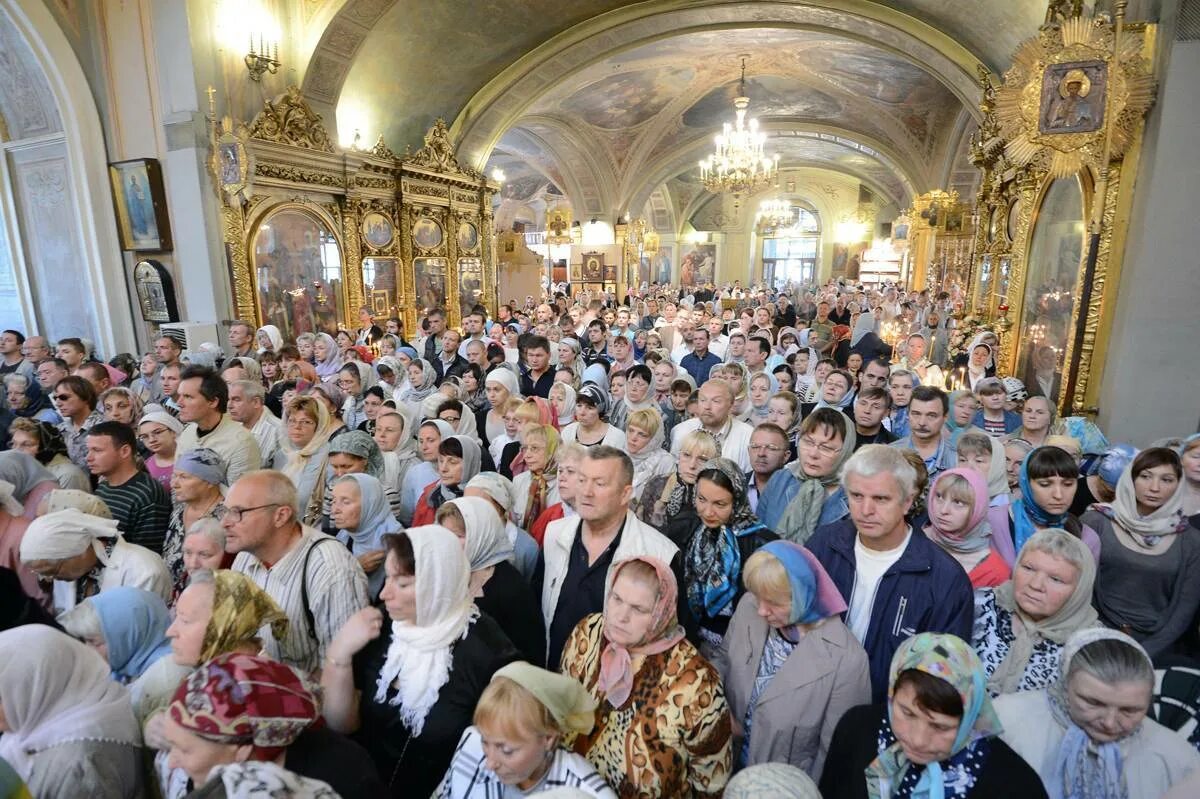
[308,614]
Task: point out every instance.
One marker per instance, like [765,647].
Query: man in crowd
[72,351]
[167,351]
[578,551]
[312,577]
[203,401]
[241,339]
[758,349]
[927,412]
[820,336]
[168,378]
[95,373]
[875,375]
[436,321]
[537,376]
[246,408]
[715,416]
[75,400]
[138,502]
[596,350]
[36,349]
[473,330]
[769,451]
[699,362]
[449,362]
[896,583]
[870,407]
[12,360]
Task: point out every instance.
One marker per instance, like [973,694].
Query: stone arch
[335,52]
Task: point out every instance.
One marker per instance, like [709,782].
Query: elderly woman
[515,741]
[644,438]
[958,523]
[497,587]
[1039,420]
[662,724]
[406,689]
[86,555]
[204,548]
[30,481]
[1022,625]
[727,534]
[458,461]
[355,378]
[787,639]
[69,729]
[536,487]
[26,399]
[197,490]
[1087,734]
[362,515]
[1148,555]
[355,452]
[308,426]
[937,736]
[158,432]
[668,502]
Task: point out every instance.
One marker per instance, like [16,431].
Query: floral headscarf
[239,610]
[712,563]
[246,699]
[952,660]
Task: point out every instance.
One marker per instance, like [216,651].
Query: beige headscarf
[74,499]
[1149,535]
[568,702]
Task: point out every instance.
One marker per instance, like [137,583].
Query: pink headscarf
[616,662]
[978,532]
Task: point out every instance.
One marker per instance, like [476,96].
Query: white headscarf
[567,414]
[487,540]
[420,654]
[56,690]
[273,335]
[8,501]
[65,534]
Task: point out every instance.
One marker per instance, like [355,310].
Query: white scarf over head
[65,534]
[420,654]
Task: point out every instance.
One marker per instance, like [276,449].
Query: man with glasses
[36,349]
[769,450]
[311,576]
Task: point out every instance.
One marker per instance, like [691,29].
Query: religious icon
[427,233]
[1073,97]
[156,297]
[377,230]
[141,205]
[593,266]
[468,237]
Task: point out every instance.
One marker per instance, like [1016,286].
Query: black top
[856,743]
[509,600]
[411,766]
[871,347]
[582,592]
[884,436]
[541,388]
[322,754]
[1083,497]
[507,456]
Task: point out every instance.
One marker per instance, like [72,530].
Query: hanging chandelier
[739,166]
[776,214]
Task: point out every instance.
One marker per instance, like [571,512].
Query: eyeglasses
[765,448]
[296,422]
[235,514]
[452,419]
[62,397]
[824,449]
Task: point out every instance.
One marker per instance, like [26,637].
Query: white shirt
[870,566]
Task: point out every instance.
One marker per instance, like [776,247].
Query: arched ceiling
[27,106]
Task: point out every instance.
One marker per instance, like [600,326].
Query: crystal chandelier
[739,166]
[776,214]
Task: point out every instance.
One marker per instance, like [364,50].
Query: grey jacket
[794,717]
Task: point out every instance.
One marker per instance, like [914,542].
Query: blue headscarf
[1026,513]
[814,595]
[375,517]
[134,623]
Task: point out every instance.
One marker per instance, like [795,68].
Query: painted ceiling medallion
[1064,86]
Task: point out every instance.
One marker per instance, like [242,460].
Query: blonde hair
[449,511]
[527,411]
[766,578]
[646,419]
[699,443]
[511,405]
[956,487]
[509,709]
[571,451]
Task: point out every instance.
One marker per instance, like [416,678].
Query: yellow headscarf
[240,609]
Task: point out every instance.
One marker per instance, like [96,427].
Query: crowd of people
[699,542]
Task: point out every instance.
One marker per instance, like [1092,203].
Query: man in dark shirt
[537,377]
[699,362]
[870,407]
[449,363]
[138,502]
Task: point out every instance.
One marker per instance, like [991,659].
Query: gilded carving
[296,174]
[381,149]
[438,154]
[233,223]
[351,218]
[288,119]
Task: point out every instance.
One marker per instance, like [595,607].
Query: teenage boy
[993,418]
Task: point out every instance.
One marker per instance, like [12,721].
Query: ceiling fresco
[629,99]
[774,96]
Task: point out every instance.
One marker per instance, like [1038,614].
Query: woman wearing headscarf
[355,452]
[523,715]
[644,440]
[355,378]
[86,555]
[958,524]
[269,339]
[327,357]
[727,535]
[398,448]
[30,481]
[422,383]
[406,686]
[69,729]
[458,461]
[497,587]
[362,515]
[308,425]
[1148,555]
[44,441]
[562,399]
[978,359]
[127,625]
[500,385]
[806,493]
[668,501]
[777,780]
[197,491]
[1047,482]
[1022,625]
[963,407]
[1087,735]
[536,487]
[936,738]
[791,668]
[662,725]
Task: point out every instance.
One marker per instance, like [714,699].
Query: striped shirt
[337,589]
[470,778]
[142,508]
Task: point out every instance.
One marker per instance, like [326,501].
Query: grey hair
[250,389]
[570,451]
[1058,543]
[306,337]
[1112,661]
[209,527]
[346,478]
[82,621]
[15,379]
[874,459]
[912,376]
[607,453]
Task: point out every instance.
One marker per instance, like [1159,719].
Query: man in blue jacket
[896,582]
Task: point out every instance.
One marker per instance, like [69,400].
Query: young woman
[1147,554]
[354,379]
[562,399]
[820,372]
[514,746]
[963,407]
[647,680]
[422,383]
[500,385]
[937,736]
[120,405]
[791,668]
[1047,481]
[760,397]
[1087,734]
[457,462]
[1038,421]
[591,425]
[1022,625]
[900,385]
[405,679]
[958,523]
[399,450]
[668,501]
[327,357]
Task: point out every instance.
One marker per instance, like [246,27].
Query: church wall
[1151,378]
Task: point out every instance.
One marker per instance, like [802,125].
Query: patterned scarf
[239,610]
[713,561]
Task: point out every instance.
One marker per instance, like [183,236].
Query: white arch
[100,259]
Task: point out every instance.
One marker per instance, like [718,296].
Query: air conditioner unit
[192,334]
